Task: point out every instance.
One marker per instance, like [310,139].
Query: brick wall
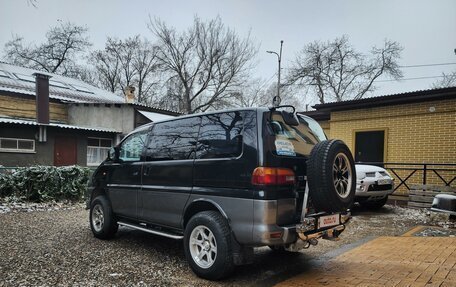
[413,133]
[420,132]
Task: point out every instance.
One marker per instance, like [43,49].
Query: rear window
[294,141]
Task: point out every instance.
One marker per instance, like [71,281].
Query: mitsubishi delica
[225,182]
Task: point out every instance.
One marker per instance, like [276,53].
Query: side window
[131,148]
[173,140]
[220,136]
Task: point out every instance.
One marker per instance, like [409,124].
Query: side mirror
[113,153]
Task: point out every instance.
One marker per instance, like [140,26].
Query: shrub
[45,183]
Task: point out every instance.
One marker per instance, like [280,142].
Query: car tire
[102,219]
[374,204]
[207,245]
[331,176]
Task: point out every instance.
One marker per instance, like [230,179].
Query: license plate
[383,181]
[328,220]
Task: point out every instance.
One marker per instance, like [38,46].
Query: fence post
[424,173]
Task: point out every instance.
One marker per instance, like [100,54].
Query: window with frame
[173,140]
[17,145]
[220,136]
[97,150]
[131,148]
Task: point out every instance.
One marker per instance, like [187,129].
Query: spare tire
[331,176]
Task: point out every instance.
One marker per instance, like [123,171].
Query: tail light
[272,176]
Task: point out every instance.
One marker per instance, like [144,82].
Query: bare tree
[336,72]
[58,54]
[447,80]
[32,3]
[208,62]
[259,93]
[253,95]
[107,65]
[129,62]
[146,64]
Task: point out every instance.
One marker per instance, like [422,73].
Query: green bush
[45,183]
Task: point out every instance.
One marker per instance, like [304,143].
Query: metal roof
[154,116]
[395,99]
[57,125]
[317,115]
[21,80]
[137,106]
[140,105]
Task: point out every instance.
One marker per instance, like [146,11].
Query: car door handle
[146,170]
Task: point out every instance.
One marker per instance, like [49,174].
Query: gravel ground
[56,247]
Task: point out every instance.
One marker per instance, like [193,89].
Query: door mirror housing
[113,153]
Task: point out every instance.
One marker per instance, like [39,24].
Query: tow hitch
[320,225]
[311,229]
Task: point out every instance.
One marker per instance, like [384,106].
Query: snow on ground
[9,204]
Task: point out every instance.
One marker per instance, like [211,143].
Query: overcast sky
[426,29]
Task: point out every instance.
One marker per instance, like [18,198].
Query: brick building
[414,127]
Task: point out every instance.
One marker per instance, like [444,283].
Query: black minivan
[226,182]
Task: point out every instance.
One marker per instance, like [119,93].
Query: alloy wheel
[203,246]
[342,175]
[97,218]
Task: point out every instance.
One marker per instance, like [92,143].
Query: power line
[267,81]
[427,65]
[408,79]
[411,66]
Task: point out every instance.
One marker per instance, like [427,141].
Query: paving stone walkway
[387,261]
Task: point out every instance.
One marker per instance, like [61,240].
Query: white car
[373,185]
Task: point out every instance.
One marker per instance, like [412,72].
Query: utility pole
[279,58]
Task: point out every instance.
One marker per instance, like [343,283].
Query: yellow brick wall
[26,108]
[414,133]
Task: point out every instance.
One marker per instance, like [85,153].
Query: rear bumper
[290,234]
[268,216]
[267,231]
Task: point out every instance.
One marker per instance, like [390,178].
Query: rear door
[289,146]
[168,171]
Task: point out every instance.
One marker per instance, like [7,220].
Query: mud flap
[241,254]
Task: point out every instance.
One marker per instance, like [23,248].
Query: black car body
[245,169]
